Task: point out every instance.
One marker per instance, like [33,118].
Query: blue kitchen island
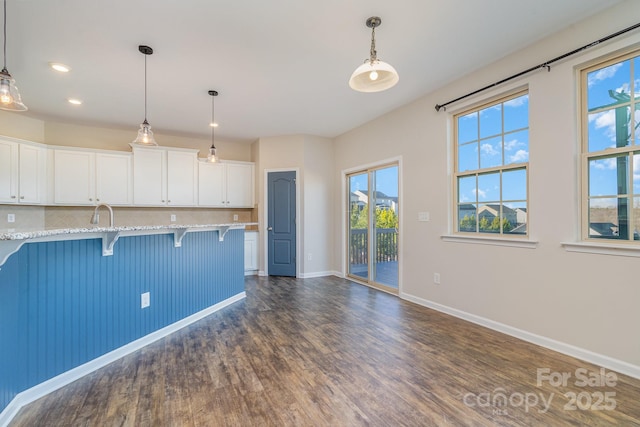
[74,300]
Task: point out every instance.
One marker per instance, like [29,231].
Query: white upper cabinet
[226,184]
[114,178]
[240,185]
[212,185]
[74,177]
[89,177]
[182,178]
[149,177]
[164,177]
[22,172]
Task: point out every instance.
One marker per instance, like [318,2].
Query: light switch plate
[424,216]
[11,218]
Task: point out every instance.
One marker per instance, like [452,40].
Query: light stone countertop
[6,234]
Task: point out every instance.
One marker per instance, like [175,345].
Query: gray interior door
[281,227]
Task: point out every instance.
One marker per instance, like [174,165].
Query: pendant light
[374,75]
[145,135]
[10,99]
[212,157]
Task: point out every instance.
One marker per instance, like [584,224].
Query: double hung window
[491,167]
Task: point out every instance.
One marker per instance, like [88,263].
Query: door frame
[265,219]
[345,210]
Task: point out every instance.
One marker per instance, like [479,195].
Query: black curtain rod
[543,65]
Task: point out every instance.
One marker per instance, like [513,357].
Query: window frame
[501,169]
[627,152]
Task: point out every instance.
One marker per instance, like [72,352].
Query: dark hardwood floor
[328,352]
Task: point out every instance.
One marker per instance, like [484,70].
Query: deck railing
[386,250]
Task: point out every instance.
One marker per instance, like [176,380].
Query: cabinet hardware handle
[13,197]
[22,197]
[97,200]
[90,199]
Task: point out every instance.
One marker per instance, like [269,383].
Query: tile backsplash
[41,217]
[69,217]
[25,217]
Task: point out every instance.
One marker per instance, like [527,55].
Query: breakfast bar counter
[73,300]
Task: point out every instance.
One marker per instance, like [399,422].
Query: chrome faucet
[95,219]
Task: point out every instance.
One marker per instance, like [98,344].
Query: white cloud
[479,192]
[605,164]
[603,74]
[511,145]
[517,102]
[519,156]
[489,150]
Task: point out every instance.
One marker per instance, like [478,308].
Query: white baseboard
[27,396]
[568,349]
[250,272]
[317,274]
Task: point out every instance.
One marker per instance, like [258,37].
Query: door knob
[269,228]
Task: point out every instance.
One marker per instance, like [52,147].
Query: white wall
[584,300]
[317,199]
[312,158]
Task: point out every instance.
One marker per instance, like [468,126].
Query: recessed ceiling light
[60,67]
[213,125]
[74,101]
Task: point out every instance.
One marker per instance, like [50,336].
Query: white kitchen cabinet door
[182,178]
[212,186]
[74,177]
[22,173]
[240,185]
[32,168]
[113,179]
[8,172]
[250,250]
[149,177]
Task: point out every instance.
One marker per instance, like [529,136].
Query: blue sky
[483,143]
[386,181]
[602,125]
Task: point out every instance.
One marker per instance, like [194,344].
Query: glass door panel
[359,225]
[385,242]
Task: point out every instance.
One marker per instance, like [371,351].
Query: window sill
[495,241]
[602,248]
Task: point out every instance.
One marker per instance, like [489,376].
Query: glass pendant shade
[373,76]
[10,99]
[212,157]
[145,135]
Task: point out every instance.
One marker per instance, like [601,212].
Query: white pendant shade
[373,76]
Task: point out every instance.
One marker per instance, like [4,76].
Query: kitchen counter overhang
[12,241]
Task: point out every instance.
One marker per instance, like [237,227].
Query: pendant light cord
[145,86]
[213,128]
[4,66]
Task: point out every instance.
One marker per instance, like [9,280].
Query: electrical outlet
[424,216]
[173,218]
[235,217]
[436,278]
[145,300]
[11,218]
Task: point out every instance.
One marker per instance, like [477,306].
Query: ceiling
[281,67]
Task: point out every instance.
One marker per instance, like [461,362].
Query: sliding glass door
[373,227]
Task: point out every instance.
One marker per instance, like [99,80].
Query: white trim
[495,241]
[631,250]
[564,348]
[319,274]
[344,212]
[30,395]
